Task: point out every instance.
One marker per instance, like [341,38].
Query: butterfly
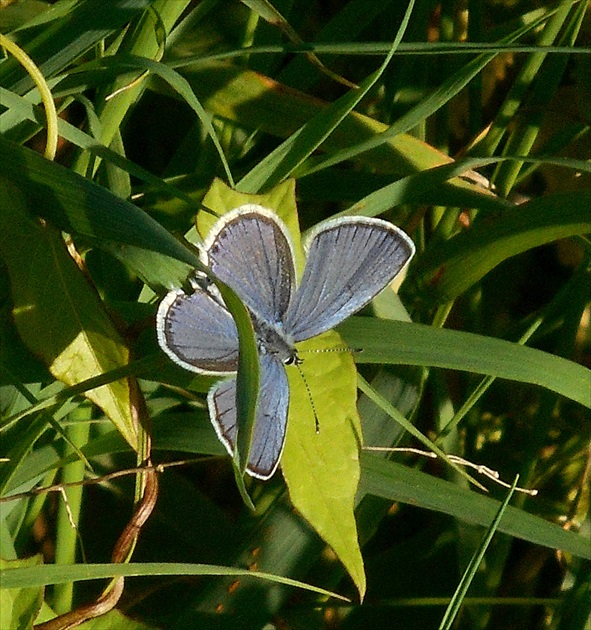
[349,261]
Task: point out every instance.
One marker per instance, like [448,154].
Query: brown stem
[123,549]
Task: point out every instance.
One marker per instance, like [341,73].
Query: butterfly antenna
[316,421]
[336,349]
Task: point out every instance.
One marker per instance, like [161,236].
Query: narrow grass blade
[458,597]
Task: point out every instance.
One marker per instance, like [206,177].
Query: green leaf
[78,206]
[449,268]
[19,607]
[56,312]
[322,469]
[396,482]
[393,342]
[63,573]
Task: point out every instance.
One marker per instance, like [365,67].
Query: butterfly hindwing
[249,250]
[197,332]
[271,416]
[350,260]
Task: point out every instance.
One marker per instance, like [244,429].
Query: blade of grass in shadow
[354,48]
[65,40]
[574,287]
[145,38]
[451,267]
[178,84]
[416,188]
[53,574]
[271,15]
[82,140]
[385,406]
[428,106]
[522,83]
[344,26]
[395,482]
[544,86]
[458,597]
[290,154]
[78,206]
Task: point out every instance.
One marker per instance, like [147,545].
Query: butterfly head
[272,340]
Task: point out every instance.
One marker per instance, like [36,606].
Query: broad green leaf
[19,607]
[57,313]
[449,268]
[322,469]
[404,343]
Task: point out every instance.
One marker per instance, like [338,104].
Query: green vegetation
[126,126]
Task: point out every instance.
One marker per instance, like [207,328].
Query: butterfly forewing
[271,416]
[350,260]
[251,252]
[197,332]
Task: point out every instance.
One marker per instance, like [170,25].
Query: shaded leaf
[58,314]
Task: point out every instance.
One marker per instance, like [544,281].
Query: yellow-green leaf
[57,313]
[322,469]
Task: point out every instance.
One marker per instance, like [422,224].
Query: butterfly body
[272,340]
[350,260]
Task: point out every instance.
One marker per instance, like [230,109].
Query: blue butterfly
[349,261]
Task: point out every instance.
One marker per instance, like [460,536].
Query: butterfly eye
[293,359]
